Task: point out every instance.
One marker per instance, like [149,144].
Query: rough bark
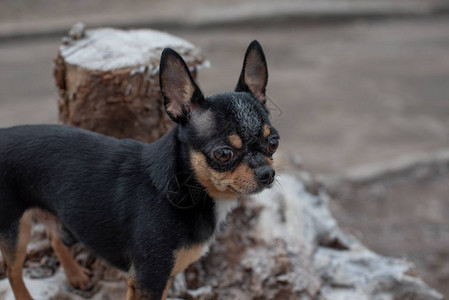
[108,80]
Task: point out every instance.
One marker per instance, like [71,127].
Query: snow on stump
[108,80]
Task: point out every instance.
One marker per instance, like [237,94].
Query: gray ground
[342,95]
[403,216]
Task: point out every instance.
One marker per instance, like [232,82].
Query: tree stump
[108,80]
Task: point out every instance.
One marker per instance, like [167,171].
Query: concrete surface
[401,210]
[26,18]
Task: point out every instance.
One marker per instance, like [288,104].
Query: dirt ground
[341,95]
[403,216]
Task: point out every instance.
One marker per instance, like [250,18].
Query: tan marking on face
[223,185]
[243,178]
[235,141]
[185,256]
[270,161]
[266,130]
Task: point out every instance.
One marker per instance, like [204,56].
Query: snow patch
[138,70]
[109,49]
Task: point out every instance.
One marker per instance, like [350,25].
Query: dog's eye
[273,145]
[224,154]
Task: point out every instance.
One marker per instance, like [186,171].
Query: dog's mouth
[261,189]
[252,191]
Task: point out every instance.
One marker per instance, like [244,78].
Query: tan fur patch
[223,185]
[77,275]
[266,130]
[270,161]
[167,288]
[134,293]
[131,294]
[184,257]
[15,260]
[235,141]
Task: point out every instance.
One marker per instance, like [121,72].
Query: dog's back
[59,169]
[31,155]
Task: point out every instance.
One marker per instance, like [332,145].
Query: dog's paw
[80,278]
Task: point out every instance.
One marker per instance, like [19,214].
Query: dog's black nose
[265,175]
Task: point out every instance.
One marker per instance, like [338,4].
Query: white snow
[109,49]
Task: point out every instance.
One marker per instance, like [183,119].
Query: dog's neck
[159,160]
[167,161]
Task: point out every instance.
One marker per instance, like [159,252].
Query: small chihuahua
[149,209]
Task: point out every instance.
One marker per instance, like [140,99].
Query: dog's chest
[186,256]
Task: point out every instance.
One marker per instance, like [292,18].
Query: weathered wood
[108,80]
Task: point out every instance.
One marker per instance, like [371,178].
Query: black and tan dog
[149,209]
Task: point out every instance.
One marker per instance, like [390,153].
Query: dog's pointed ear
[181,93]
[254,75]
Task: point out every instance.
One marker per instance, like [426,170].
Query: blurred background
[359,91]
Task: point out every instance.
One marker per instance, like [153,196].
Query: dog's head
[229,136]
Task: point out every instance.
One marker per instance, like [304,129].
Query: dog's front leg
[150,281]
[135,292]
